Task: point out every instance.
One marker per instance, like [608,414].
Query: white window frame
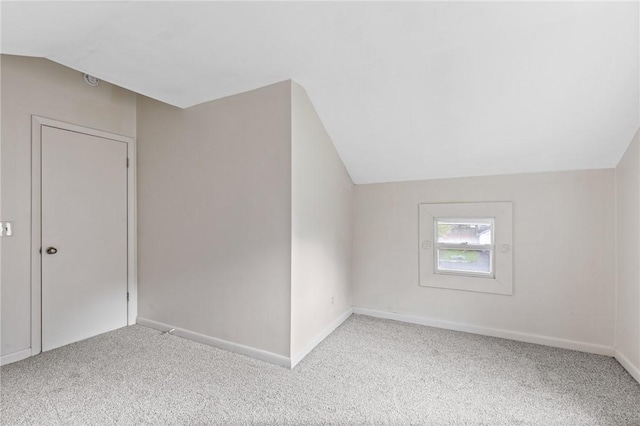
[466,246]
[501,279]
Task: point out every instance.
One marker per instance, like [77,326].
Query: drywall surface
[627,340]
[32,86]
[214,217]
[563,247]
[321,214]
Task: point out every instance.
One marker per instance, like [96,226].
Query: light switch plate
[6,229]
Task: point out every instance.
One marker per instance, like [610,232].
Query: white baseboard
[320,337]
[15,357]
[624,361]
[218,343]
[493,332]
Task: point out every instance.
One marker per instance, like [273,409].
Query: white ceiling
[406,90]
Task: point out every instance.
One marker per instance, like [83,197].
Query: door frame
[37,122]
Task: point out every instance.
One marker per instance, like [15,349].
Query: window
[467,246]
[464,246]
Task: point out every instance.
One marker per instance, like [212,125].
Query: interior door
[84,236]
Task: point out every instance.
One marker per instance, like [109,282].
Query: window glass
[464,246]
[478,261]
[451,231]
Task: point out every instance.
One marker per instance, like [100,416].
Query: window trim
[502,212]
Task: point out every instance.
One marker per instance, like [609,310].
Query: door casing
[36,220]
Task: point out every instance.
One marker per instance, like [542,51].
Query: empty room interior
[320,213]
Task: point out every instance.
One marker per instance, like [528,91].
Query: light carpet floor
[369,371]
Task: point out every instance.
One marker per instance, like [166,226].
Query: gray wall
[627,340]
[563,246]
[41,87]
[321,206]
[214,217]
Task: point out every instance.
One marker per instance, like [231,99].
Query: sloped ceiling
[407,91]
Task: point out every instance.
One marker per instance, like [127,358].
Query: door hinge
[127,162]
[127,296]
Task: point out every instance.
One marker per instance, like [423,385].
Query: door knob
[52,250]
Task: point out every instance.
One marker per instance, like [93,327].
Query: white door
[84,236]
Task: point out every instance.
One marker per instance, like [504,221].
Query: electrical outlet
[332,300]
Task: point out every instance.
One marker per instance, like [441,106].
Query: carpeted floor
[368,371]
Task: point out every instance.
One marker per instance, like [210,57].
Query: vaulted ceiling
[406,90]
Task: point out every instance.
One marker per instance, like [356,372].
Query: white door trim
[36,219]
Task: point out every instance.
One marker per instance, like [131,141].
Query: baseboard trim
[320,337]
[493,332]
[15,357]
[249,351]
[631,369]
